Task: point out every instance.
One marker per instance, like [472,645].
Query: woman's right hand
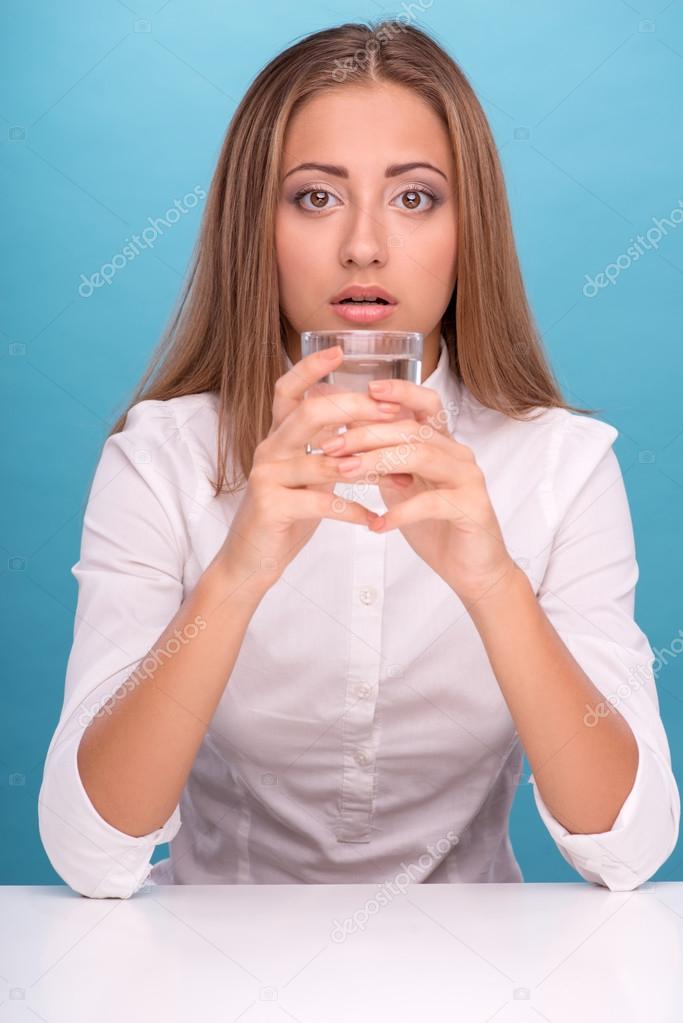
[289,492]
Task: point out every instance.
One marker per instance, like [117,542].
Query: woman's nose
[365,239]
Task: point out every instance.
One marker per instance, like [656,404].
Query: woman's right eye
[319,199]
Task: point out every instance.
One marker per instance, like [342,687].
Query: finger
[423,401]
[430,504]
[397,432]
[292,385]
[304,470]
[313,414]
[301,505]
[432,463]
[368,422]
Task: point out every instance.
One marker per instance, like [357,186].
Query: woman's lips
[365,312]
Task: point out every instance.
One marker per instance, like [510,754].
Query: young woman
[328,667]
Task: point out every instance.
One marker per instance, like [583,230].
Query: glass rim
[412,334]
[356,343]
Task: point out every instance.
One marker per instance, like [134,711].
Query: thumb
[396,487]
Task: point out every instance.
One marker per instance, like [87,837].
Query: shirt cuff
[91,855]
[642,837]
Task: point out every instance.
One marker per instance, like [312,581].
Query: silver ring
[313,451]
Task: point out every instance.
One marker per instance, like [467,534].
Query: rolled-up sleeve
[129,575]
[588,594]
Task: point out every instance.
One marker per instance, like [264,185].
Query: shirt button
[362,690]
[361,757]
[368,594]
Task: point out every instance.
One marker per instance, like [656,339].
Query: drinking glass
[368,355]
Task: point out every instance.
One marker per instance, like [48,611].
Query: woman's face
[355,223]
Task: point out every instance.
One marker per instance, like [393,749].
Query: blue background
[110,111]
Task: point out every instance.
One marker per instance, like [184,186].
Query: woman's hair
[227,333]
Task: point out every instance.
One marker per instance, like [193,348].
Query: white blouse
[362,733]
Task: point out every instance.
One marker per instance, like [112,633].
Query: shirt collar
[447,385]
[437,379]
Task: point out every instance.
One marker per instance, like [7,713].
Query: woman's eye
[411,199]
[319,198]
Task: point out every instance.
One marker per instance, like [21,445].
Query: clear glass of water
[368,355]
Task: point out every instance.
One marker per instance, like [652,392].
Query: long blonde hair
[227,333]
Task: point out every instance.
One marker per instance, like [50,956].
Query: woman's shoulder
[164,452]
[552,452]
[186,410]
[184,425]
[174,436]
[540,428]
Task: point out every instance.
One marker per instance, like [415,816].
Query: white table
[327,953]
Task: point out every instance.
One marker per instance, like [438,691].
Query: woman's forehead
[362,127]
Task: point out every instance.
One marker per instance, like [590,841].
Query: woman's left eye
[412,193]
[320,197]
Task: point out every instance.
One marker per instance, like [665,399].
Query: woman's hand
[434,490]
[289,492]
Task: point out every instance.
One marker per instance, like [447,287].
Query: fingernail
[332,353]
[345,464]
[387,406]
[379,386]
[333,445]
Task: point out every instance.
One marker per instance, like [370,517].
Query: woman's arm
[577,673]
[149,486]
[135,755]
[584,773]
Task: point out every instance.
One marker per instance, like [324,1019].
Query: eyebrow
[392,171]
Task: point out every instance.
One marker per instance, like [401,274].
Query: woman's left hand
[434,490]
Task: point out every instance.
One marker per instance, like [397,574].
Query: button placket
[359,733]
